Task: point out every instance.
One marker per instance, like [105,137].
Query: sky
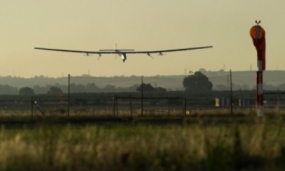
[140,25]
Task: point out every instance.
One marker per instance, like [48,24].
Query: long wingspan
[116,51]
[124,52]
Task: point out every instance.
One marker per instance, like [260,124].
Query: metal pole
[168,105]
[131,107]
[142,96]
[231,86]
[184,106]
[32,107]
[115,106]
[259,94]
[68,95]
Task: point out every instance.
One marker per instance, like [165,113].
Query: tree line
[89,88]
[196,82]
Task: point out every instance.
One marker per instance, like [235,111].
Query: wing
[78,51]
[122,51]
[168,50]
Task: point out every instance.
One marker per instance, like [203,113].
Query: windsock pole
[259,94]
[257,34]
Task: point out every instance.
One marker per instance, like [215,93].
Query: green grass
[206,140]
[143,146]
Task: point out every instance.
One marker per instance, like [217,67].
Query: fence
[122,104]
[91,100]
[149,106]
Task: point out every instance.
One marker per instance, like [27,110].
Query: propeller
[87,54]
[161,54]
[148,54]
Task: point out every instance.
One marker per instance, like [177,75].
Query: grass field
[205,142]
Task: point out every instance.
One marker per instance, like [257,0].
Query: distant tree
[133,87]
[198,82]
[149,87]
[202,70]
[77,88]
[6,89]
[109,88]
[26,91]
[160,89]
[54,91]
[146,87]
[91,87]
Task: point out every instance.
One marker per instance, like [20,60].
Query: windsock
[257,34]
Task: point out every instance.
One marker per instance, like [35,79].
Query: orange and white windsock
[257,34]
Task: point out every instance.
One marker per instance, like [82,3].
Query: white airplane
[123,52]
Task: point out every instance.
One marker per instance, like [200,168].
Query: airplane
[123,52]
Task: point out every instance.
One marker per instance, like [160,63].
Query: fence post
[231,89]
[117,109]
[32,107]
[184,106]
[68,95]
[131,107]
[142,96]
[114,105]
[168,105]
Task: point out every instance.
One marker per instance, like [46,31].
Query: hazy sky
[139,25]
